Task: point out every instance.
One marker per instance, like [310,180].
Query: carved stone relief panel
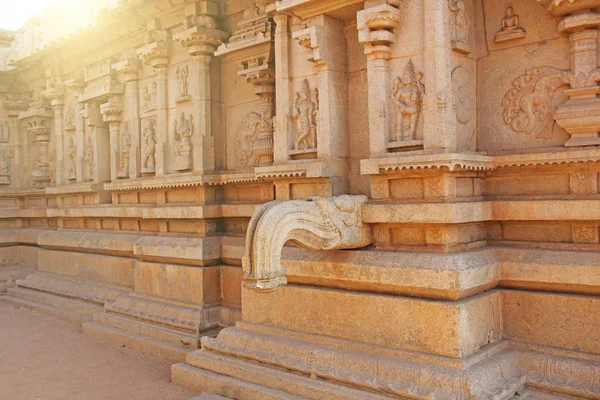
[124,151]
[4,131]
[510,27]
[182,73]
[149,93]
[407,96]
[305,114]
[149,143]
[71,160]
[460,26]
[89,160]
[5,157]
[528,106]
[69,117]
[183,131]
[246,135]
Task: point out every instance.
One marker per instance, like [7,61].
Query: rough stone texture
[417,183]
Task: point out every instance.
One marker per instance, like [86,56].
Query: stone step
[536,394]
[53,300]
[72,317]
[203,364]
[177,337]
[137,342]
[198,380]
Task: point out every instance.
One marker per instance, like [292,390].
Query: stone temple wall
[435,166]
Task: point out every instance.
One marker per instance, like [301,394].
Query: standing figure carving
[184,129]
[407,95]
[5,132]
[305,114]
[69,117]
[89,159]
[4,164]
[149,97]
[182,75]
[71,161]
[461,22]
[149,148]
[124,159]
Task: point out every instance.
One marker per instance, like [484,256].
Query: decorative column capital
[112,110]
[158,46]
[201,41]
[376,26]
[128,68]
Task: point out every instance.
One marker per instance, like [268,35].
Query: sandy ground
[43,358]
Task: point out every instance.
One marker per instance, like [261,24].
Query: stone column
[111,113]
[131,114]
[55,93]
[376,24]
[439,119]
[17,140]
[325,38]
[201,38]
[580,115]
[282,141]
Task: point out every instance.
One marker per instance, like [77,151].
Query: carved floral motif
[407,95]
[305,113]
[528,105]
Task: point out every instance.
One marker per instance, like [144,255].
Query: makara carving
[319,223]
[71,161]
[149,147]
[511,28]
[528,105]
[407,95]
[305,113]
[184,129]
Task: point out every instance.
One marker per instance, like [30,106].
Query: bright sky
[14,13]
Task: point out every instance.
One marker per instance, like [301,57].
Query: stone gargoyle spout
[318,223]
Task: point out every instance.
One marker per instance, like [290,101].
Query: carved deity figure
[149,147]
[71,163]
[461,21]
[182,75]
[4,164]
[511,28]
[407,94]
[4,132]
[89,159]
[305,114]
[69,117]
[124,158]
[184,129]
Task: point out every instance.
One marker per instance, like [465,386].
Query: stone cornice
[451,161]
[78,188]
[178,181]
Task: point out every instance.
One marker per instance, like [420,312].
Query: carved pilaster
[128,148]
[323,37]
[376,24]
[580,115]
[252,47]
[112,114]
[38,120]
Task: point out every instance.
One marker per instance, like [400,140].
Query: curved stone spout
[318,223]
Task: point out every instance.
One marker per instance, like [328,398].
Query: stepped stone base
[251,362]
